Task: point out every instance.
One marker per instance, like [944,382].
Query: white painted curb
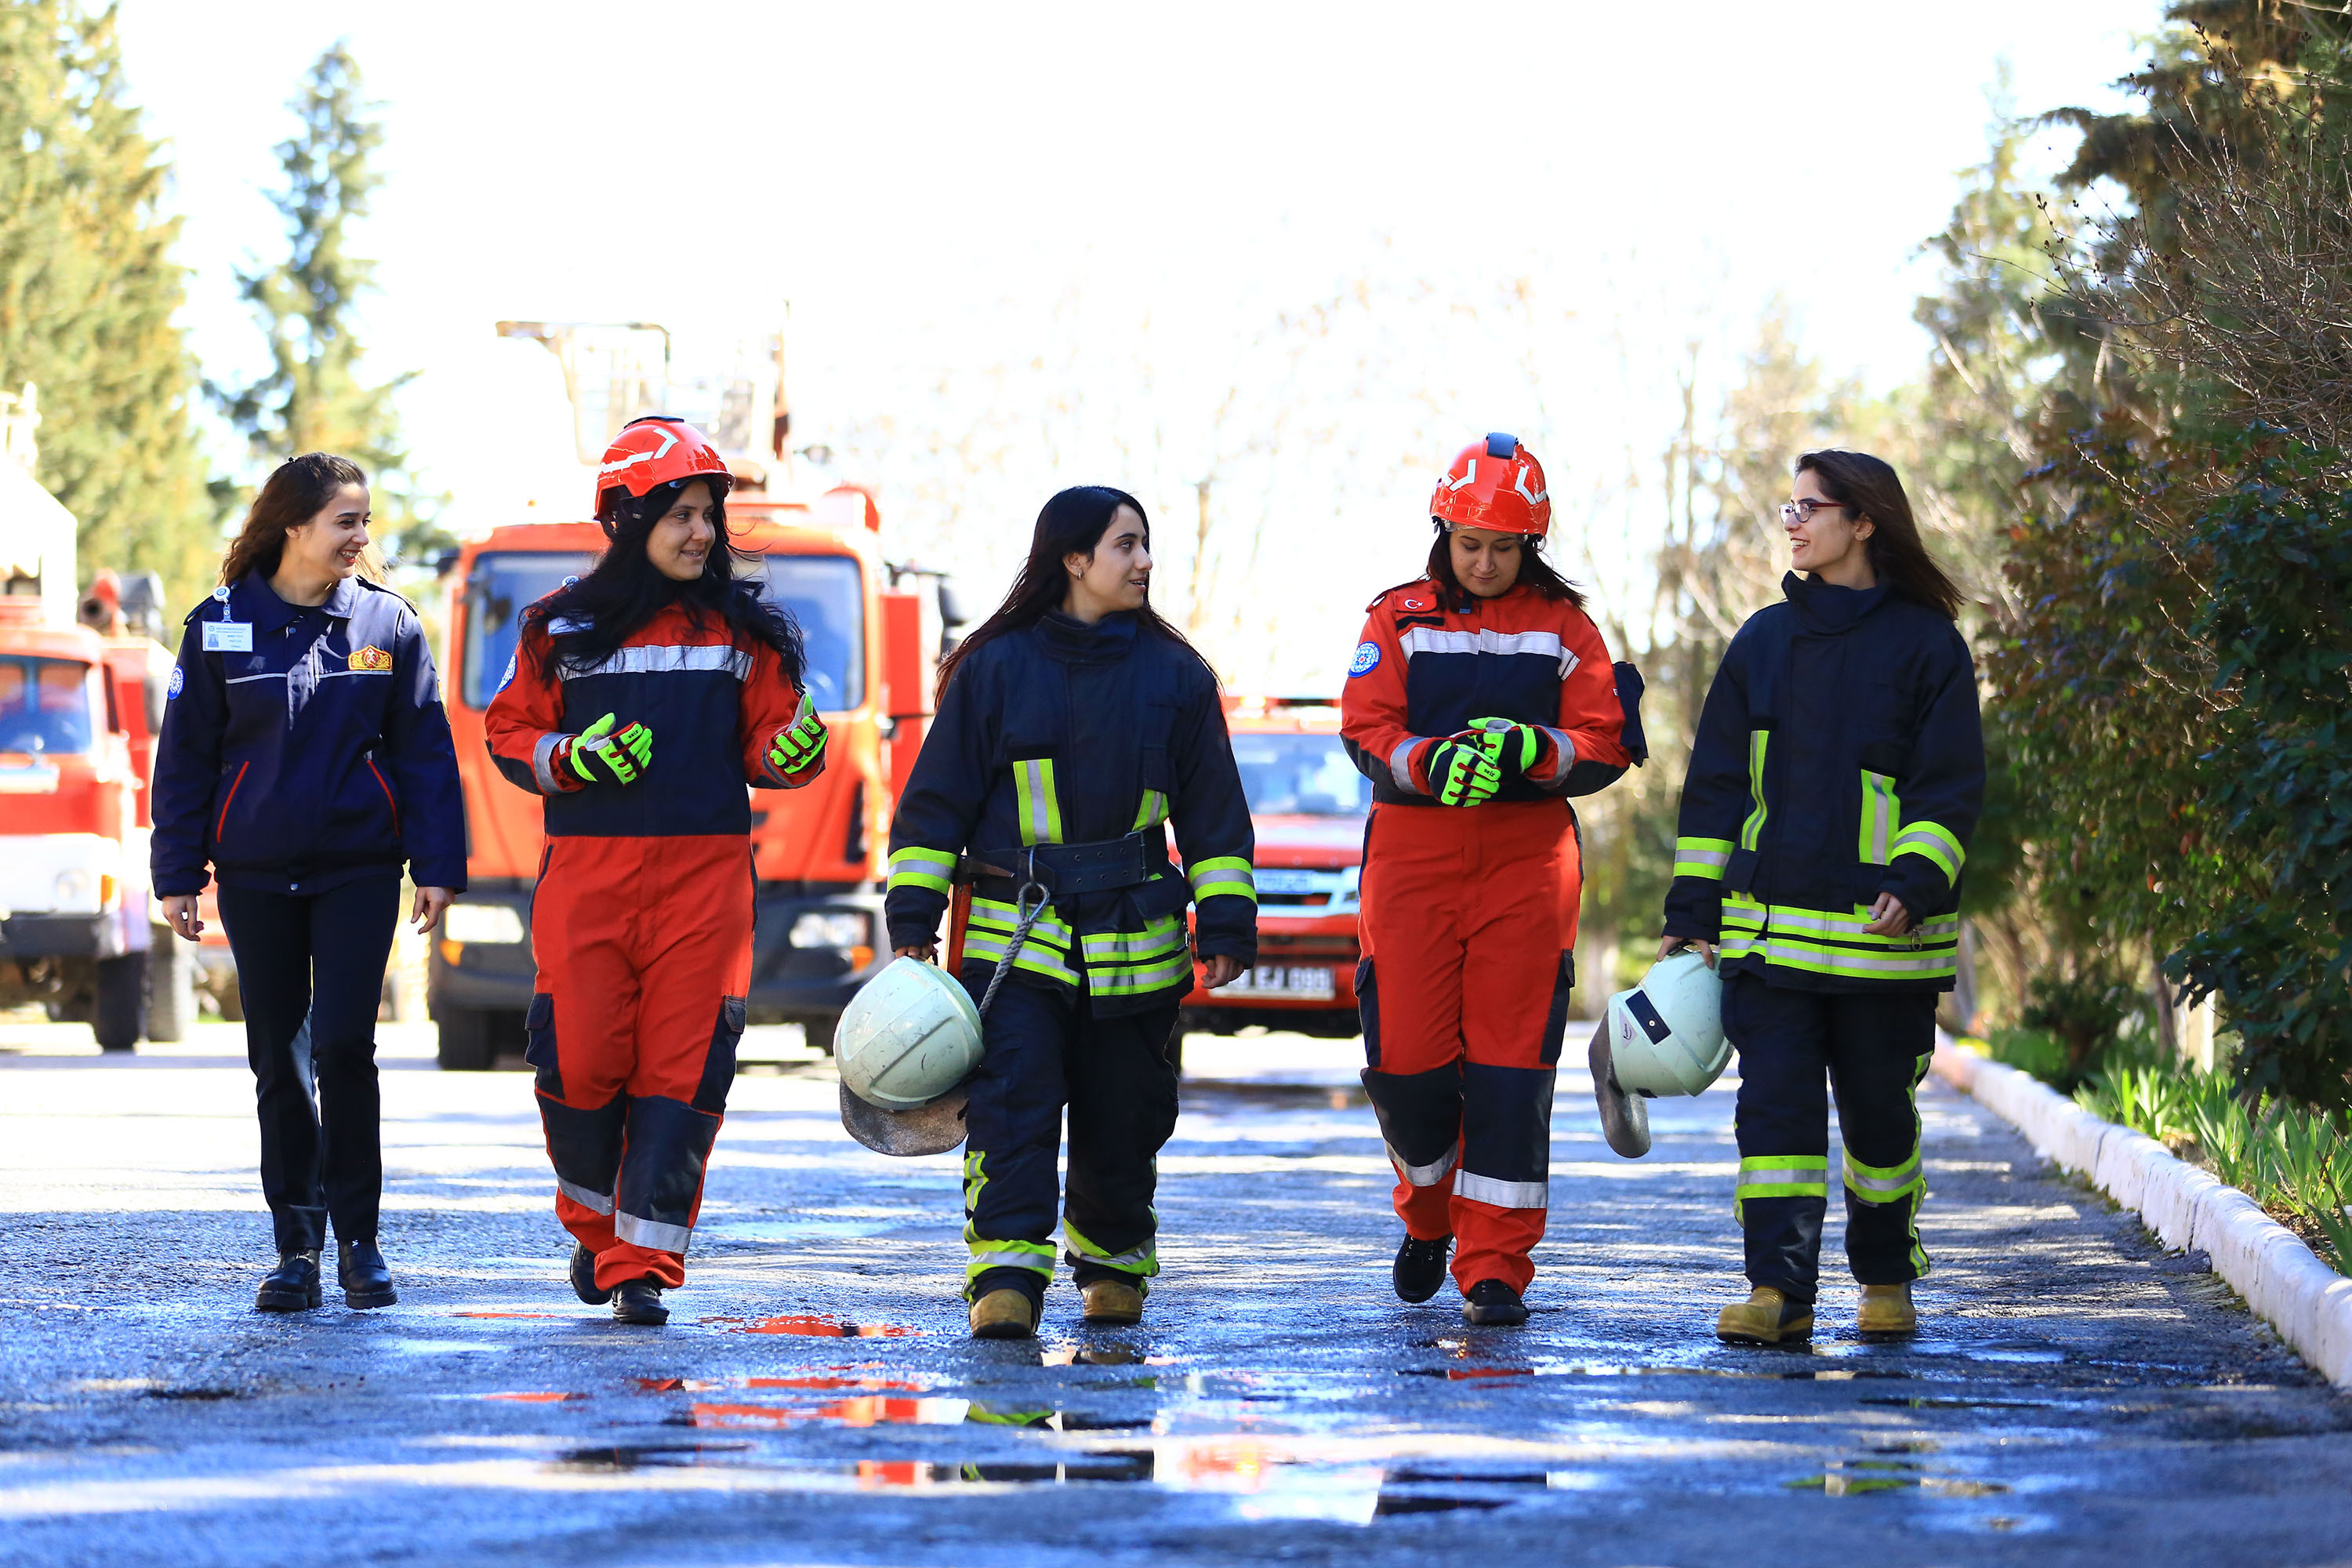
[2309,1303]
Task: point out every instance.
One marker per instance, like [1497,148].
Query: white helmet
[1664,1037]
[905,1045]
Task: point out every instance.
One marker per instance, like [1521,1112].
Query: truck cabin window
[826,594]
[1300,775]
[49,707]
[498,591]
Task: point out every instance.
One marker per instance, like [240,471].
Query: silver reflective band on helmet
[1665,1035]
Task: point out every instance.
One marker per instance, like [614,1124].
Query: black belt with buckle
[1064,870]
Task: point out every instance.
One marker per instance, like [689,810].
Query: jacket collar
[268,612]
[1071,641]
[1828,609]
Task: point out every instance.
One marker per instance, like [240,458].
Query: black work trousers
[1047,1048]
[317,959]
[1873,1050]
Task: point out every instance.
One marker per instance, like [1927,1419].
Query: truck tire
[122,997]
[465,1041]
[170,988]
[818,1031]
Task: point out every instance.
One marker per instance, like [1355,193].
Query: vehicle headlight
[72,887]
[485,924]
[829,929]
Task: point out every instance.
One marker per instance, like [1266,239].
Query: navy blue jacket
[315,753]
[1839,757]
[1060,732]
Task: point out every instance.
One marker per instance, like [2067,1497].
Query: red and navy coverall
[641,927]
[1469,914]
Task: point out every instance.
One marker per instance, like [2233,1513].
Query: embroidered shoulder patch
[1366,659]
[370,658]
[171,687]
[508,679]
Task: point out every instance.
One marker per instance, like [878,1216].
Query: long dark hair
[297,491]
[1072,523]
[1868,486]
[1534,571]
[624,590]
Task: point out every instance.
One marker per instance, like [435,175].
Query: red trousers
[644,948]
[1469,925]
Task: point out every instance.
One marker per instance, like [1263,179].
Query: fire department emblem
[1366,659]
[371,658]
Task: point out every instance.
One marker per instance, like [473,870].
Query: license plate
[1302,983]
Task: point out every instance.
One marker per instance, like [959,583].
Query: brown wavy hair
[298,491]
[1869,487]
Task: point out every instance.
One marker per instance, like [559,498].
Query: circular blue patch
[1366,659]
[508,679]
[171,687]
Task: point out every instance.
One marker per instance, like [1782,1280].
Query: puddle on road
[861,1410]
[196,1394]
[548,1317]
[1203,1092]
[1860,1477]
[811,1327]
[545,1397]
[643,1456]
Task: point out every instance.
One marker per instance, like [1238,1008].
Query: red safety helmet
[1496,483]
[656,450]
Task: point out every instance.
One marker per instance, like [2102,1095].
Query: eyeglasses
[1802,510]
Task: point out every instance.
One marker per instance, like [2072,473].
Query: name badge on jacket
[228,636]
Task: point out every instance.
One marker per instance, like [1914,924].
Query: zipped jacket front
[1839,756]
[1063,733]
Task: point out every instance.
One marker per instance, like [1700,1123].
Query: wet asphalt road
[2075,1397]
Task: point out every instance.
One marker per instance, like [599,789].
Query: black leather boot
[583,1276]
[366,1277]
[292,1285]
[1495,1305]
[638,1302]
[1420,1267]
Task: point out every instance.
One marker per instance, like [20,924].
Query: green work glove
[1462,774]
[599,756]
[799,744]
[1513,747]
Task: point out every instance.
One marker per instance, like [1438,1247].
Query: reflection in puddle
[1857,1477]
[865,1410]
[813,1327]
[1100,1356]
[633,1457]
[544,1315]
[546,1397]
[714,1385]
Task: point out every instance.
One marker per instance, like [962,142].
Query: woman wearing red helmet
[641,926]
[1480,696]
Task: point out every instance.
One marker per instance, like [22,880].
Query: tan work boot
[1111,1302]
[1004,1315]
[1766,1317]
[1886,1309]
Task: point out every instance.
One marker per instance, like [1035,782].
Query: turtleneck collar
[1827,608]
[1073,641]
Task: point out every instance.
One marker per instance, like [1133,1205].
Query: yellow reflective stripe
[1152,812]
[988,1253]
[1783,1176]
[1935,963]
[1142,1260]
[913,867]
[1882,1184]
[1754,825]
[1135,979]
[995,914]
[1227,875]
[1036,957]
[1935,842]
[1158,936]
[1041,812]
[1702,857]
[1881,810]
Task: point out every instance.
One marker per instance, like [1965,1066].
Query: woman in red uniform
[1480,696]
[642,923]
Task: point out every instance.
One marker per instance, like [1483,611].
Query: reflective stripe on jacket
[1059,733]
[306,748]
[1839,756]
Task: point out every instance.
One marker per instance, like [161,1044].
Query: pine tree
[88,290]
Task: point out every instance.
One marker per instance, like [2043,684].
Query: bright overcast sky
[924,184]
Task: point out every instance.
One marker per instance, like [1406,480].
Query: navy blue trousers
[1872,1050]
[1047,1049]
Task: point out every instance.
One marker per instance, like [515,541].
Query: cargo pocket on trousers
[1368,1011]
[719,1067]
[538,1047]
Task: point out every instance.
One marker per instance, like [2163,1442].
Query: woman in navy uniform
[1075,727]
[1835,782]
[304,755]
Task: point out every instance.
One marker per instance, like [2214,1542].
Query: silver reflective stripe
[1545,645]
[666,659]
[1792,920]
[1853,960]
[979,1260]
[542,762]
[1400,766]
[1885,1189]
[1423,1175]
[652,1233]
[1563,756]
[1502,1194]
[601,1202]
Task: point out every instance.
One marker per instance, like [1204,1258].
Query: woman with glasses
[1836,776]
